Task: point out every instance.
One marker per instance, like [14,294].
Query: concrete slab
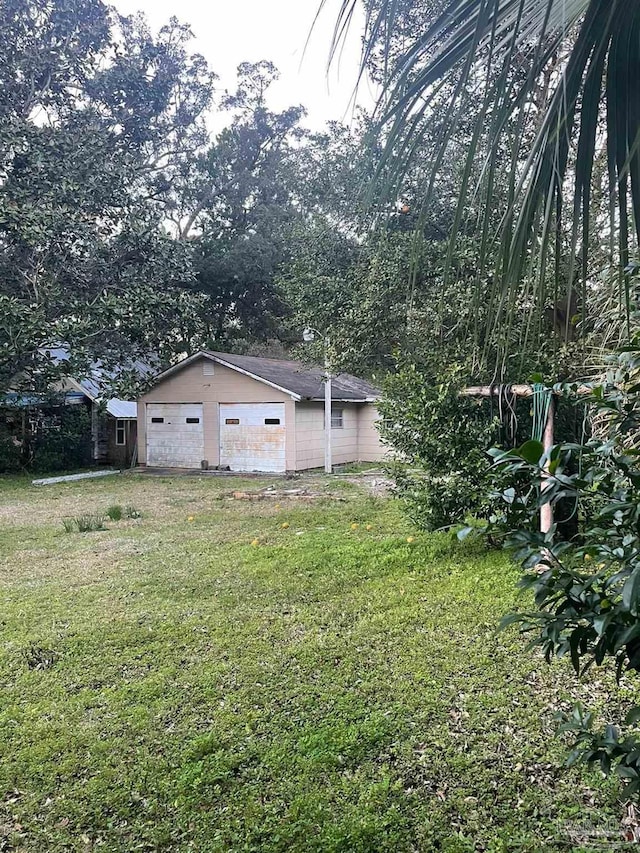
[69,478]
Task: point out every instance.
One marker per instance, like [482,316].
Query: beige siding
[192,385]
[310,435]
[370,447]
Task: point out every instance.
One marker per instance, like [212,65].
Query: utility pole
[328,462]
[308,335]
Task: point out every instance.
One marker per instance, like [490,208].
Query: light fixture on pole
[308,336]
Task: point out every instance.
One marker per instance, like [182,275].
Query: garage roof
[294,377]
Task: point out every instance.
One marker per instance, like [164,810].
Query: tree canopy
[91,103]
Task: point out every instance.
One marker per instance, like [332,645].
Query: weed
[114,512]
[132,512]
[89,523]
[69,524]
[37,657]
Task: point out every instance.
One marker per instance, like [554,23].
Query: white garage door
[252,436]
[175,435]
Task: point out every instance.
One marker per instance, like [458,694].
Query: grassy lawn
[168,685]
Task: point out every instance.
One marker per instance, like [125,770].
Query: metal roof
[97,380]
[97,384]
[122,409]
[293,377]
[31,400]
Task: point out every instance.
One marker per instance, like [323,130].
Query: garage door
[175,435]
[252,436]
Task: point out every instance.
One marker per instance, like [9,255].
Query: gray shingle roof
[299,378]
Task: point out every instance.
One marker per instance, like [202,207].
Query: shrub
[10,451]
[440,439]
[132,512]
[114,512]
[65,447]
[69,524]
[586,588]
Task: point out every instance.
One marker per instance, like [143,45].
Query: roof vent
[207,368]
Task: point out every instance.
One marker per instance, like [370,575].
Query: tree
[533,76]
[562,75]
[235,208]
[90,106]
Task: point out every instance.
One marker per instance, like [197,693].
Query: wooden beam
[494,390]
[516,390]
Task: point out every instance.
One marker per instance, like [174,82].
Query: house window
[157,420]
[121,433]
[232,421]
[193,420]
[337,420]
[272,421]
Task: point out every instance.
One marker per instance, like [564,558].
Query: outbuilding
[242,413]
[30,419]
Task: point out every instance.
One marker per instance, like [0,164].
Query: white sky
[227,33]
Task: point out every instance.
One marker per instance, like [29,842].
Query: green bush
[10,451]
[114,513]
[66,447]
[440,440]
[586,588]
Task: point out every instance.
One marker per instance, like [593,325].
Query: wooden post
[546,511]
[95,432]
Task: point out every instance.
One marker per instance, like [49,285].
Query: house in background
[111,422]
[244,413]
[121,433]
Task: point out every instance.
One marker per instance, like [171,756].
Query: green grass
[168,685]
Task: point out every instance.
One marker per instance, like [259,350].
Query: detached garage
[217,410]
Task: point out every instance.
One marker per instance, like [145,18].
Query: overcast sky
[228,32]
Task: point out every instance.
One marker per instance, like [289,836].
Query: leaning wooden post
[546,510]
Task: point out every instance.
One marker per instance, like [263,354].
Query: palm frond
[496,52]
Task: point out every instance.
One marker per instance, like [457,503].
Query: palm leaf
[593,47]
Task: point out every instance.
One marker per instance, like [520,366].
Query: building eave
[184,363]
[78,387]
[255,376]
[342,400]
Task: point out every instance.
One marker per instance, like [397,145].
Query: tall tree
[236,209]
[549,81]
[90,104]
